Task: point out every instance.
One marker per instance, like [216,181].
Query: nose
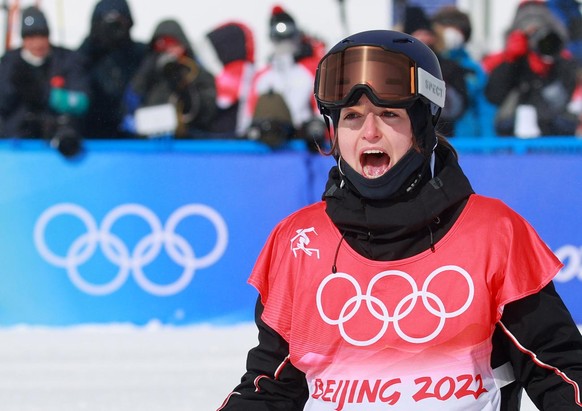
[370,130]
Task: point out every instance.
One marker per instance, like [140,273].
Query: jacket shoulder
[307,213]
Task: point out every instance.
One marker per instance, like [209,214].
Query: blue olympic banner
[546,189]
[134,234]
[127,236]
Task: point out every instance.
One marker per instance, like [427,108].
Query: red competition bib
[412,334]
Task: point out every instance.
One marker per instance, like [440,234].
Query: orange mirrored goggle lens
[390,76]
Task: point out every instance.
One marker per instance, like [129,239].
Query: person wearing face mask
[403,289]
[44,89]
[111,58]
[286,78]
[418,24]
[453,31]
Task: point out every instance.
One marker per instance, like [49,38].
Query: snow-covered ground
[123,368]
[120,368]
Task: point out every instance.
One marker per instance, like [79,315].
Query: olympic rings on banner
[571,256]
[145,251]
[353,305]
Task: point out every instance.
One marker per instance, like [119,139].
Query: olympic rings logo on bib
[432,304]
[114,249]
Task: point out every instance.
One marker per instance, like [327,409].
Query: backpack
[271,122]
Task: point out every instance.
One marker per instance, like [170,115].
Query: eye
[350,115]
[390,113]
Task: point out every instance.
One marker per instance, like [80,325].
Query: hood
[535,15]
[172,28]
[105,7]
[233,42]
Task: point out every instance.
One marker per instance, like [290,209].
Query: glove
[516,45]
[128,124]
[538,65]
[65,101]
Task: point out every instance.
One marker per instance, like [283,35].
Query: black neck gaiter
[387,185]
[399,216]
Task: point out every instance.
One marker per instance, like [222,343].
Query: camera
[546,42]
[65,138]
[274,133]
[314,132]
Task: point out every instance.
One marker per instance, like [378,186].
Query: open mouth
[374,163]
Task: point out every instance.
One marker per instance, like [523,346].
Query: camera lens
[550,44]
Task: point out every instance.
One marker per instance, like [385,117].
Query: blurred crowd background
[72,71]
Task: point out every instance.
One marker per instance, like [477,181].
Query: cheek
[38,49]
[342,145]
[404,141]
[347,148]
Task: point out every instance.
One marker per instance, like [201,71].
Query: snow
[123,367]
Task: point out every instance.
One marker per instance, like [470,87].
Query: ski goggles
[392,79]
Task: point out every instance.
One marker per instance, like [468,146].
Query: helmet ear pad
[423,125]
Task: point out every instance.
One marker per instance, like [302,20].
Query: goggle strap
[326,118]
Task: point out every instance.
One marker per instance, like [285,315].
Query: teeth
[373,152]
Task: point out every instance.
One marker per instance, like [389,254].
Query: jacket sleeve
[200,100]
[8,94]
[271,382]
[544,345]
[504,78]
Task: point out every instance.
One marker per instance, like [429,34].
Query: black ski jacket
[538,325]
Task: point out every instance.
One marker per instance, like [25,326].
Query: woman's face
[372,139]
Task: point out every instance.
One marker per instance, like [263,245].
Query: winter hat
[282,25]
[33,23]
[107,8]
[451,16]
[416,19]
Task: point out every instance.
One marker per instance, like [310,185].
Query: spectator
[311,50]
[288,78]
[111,58]
[228,51]
[44,90]
[568,12]
[533,79]
[170,75]
[418,25]
[453,31]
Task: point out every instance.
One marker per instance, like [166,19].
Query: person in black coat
[418,24]
[111,58]
[171,75]
[44,90]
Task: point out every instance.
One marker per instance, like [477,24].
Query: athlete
[403,289]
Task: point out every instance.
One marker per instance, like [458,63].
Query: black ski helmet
[393,69]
